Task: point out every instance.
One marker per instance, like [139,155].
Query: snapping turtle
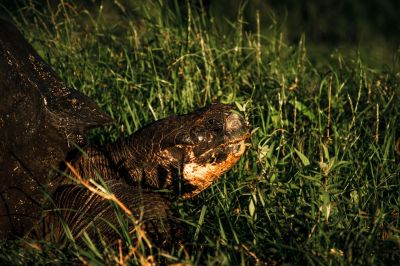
[41,122]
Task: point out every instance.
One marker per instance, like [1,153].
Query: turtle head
[191,151]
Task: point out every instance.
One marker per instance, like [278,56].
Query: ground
[319,183]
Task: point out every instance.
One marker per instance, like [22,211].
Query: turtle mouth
[235,147]
[199,173]
[238,147]
[243,138]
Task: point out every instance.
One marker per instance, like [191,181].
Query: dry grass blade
[136,247]
[102,192]
[98,190]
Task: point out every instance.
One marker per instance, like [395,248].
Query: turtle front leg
[76,210]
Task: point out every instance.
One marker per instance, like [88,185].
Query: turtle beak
[236,127]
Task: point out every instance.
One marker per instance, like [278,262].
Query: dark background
[366,28]
[369,26]
[327,21]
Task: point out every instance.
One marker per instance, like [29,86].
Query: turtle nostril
[235,122]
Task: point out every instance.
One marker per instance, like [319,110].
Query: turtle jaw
[197,176]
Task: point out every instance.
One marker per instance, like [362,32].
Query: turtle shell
[40,121]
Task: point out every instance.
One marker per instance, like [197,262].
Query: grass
[320,183]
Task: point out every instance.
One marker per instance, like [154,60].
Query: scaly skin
[181,151]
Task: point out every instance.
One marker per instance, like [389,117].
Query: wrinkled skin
[40,117]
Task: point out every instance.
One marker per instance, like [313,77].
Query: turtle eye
[211,121]
[214,124]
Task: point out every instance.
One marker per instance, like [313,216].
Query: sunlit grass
[320,181]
